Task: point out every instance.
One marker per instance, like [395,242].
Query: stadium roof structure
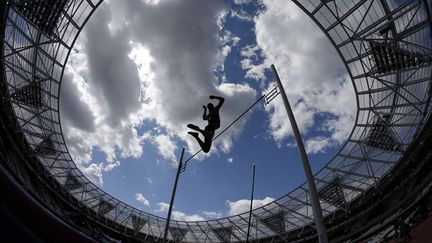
[385,45]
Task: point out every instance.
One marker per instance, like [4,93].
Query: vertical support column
[316,207]
[172,196]
[251,203]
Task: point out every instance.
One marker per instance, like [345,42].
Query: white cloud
[140,198]
[163,207]
[243,205]
[151,2]
[250,51]
[94,173]
[310,69]
[110,166]
[178,215]
[75,108]
[253,71]
[241,15]
[229,38]
[242,1]
[212,215]
[226,50]
[317,145]
[339,129]
[165,146]
[95,122]
[230,160]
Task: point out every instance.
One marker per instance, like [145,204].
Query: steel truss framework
[384,44]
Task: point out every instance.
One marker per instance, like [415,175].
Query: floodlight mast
[316,207]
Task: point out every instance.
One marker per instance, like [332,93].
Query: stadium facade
[382,173]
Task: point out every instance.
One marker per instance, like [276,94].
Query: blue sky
[142,70]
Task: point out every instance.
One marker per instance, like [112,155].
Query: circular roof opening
[125,126]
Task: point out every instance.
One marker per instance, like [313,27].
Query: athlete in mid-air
[213,123]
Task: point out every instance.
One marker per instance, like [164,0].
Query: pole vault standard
[251,203]
[179,170]
[316,207]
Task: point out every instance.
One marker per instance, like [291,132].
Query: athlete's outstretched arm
[221,100]
[205,116]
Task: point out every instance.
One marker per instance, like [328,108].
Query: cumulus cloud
[310,69]
[243,205]
[242,1]
[94,173]
[241,15]
[338,127]
[165,146]
[73,108]
[140,198]
[211,215]
[178,215]
[113,76]
[132,64]
[228,41]
[110,166]
[317,145]
[94,170]
[100,90]
[163,207]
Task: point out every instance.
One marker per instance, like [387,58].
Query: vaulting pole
[316,207]
[173,195]
[250,209]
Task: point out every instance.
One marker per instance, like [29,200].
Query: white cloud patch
[250,51]
[211,215]
[228,41]
[178,215]
[241,15]
[162,207]
[94,173]
[242,1]
[243,205]
[165,146]
[339,128]
[140,198]
[230,160]
[312,73]
[103,119]
[110,166]
[317,145]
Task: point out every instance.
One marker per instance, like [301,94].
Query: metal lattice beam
[333,193]
[178,233]
[276,223]
[382,137]
[223,233]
